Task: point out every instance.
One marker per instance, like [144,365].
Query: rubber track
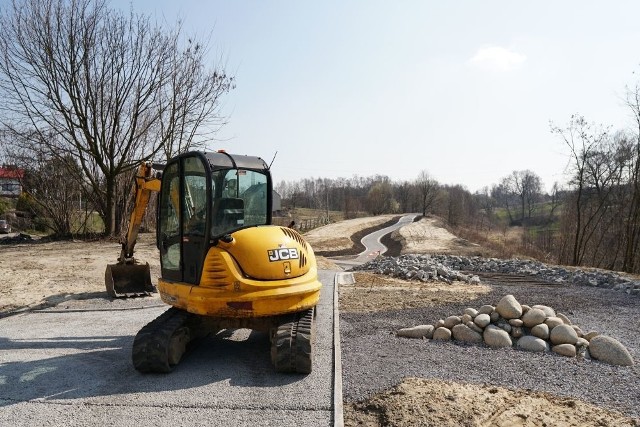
[151,346]
[293,344]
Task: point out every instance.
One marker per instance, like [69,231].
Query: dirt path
[337,237]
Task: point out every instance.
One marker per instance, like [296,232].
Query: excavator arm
[128,277]
[145,184]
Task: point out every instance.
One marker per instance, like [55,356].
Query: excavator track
[160,344]
[292,344]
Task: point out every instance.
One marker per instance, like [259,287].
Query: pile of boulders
[536,328]
[417,267]
[446,268]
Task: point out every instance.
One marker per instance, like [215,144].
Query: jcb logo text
[282,254]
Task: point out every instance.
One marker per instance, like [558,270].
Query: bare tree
[404,192]
[524,186]
[503,195]
[428,190]
[100,90]
[380,198]
[583,141]
[528,187]
[189,104]
[457,200]
[555,199]
[631,259]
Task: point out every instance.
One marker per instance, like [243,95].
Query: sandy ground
[429,402]
[51,274]
[421,402]
[428,236]
[48,274]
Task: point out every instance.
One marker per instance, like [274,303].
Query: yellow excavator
[223,264]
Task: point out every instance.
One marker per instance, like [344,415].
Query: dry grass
[374,292]
[503,243]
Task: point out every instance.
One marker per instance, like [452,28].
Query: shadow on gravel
[102,367]
[53,301]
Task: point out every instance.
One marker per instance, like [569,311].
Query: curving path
[372,244]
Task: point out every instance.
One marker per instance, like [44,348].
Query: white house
[10,185]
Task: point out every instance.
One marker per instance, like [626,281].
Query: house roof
[11,173]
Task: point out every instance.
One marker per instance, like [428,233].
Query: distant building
[10,178]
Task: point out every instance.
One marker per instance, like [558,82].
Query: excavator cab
[205,198]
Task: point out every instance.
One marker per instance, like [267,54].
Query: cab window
[240,202]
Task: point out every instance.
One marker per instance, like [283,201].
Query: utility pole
[326,191]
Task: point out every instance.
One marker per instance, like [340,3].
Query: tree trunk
[110,211]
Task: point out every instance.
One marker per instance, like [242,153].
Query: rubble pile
[448,268]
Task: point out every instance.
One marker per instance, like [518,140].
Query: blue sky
[464,90]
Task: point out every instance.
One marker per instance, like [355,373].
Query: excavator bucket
[125,280]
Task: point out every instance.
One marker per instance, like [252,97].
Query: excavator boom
[128,277]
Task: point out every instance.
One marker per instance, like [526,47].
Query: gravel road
[374,359]
[71,365]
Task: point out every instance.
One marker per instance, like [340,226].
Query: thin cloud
[496,58]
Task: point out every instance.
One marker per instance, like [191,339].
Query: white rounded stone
[509,307]
[531,343]
[486,309]
[563,334]
[471,312]
[496,338]
[465,334]
[552,322]
[609,350]
[420,331]
[451,321]
[564,350]
[540,331]
[482,320]
[533,317]
[442,334]
[550,312]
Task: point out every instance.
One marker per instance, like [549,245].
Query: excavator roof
[223,160]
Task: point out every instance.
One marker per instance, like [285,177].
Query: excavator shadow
[239,356]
